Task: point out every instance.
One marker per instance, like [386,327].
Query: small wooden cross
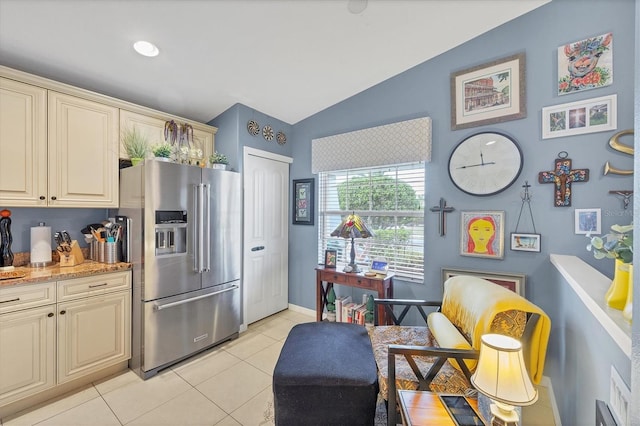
[562,177]
[442,209]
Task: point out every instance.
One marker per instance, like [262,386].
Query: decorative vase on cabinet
[627,312]
[616,296]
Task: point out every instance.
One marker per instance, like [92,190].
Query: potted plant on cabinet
[162,151]
[135,144]
[218,161]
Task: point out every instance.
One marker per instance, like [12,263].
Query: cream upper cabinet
[23,144]
[83,152]
[152,126]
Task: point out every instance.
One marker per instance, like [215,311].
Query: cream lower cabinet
[93,332]
[53,333]
[94,323]
[27,341]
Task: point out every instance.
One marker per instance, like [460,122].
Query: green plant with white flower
[616,245]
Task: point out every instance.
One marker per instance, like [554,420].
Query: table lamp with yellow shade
[502,376]
[352,227]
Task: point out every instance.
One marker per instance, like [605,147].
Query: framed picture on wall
[489,93]
[303,201]
[482,234]
[588,221]
[585,64]
[512,281]
[581,117]
[525,242]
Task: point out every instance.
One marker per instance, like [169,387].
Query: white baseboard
[546,382]
[302,310]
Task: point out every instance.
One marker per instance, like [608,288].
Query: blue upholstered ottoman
[326,375]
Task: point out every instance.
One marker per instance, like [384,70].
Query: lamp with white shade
[502,376]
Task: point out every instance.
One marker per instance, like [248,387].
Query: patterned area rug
[380,419]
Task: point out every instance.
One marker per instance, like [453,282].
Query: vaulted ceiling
[285,58]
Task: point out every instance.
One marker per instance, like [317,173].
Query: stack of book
[349,311]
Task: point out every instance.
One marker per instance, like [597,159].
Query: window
[390,199]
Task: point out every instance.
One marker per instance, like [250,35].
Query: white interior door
[266,233]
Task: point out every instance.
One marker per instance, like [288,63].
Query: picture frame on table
[588,221]
[513,281]
[581,117]
[525,242]
[303,201]
[482,234]
[490,93]
[330,258]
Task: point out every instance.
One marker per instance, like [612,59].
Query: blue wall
[425,91]
[232,134]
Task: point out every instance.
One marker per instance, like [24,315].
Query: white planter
[219,166]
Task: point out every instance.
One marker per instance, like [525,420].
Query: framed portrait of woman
[482,234]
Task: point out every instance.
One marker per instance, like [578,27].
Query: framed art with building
[489,93]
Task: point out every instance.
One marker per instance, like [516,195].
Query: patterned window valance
[396,143]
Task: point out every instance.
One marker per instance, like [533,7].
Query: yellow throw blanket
[472,303]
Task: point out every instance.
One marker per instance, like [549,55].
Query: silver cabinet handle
[97,285]
[10,300]
[257,248]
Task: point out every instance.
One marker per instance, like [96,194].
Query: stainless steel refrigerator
[184,240]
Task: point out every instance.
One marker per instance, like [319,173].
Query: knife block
[73,258]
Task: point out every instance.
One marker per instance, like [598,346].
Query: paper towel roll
[40,244]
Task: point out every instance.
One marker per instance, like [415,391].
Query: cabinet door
[93,333]
[151,127]
[27,352]
[83,152]
[205,141]
[23,144]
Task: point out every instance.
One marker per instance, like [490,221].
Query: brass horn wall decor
[615,143]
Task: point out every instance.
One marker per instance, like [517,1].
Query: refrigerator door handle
[200,225]
[194,240]
[193,299]
[207,228]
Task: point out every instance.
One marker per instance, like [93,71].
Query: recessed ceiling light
[356,6]
[145,48]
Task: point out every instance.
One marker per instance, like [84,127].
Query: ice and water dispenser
[171,232]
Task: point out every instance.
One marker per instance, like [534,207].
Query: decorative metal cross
[442,209]
[562,177]
[626,194]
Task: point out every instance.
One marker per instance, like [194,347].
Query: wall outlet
[619,398]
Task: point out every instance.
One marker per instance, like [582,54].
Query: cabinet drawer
[332,277]
[20,297]
[93,285]
[361,282]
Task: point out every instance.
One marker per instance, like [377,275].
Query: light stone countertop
[27,275]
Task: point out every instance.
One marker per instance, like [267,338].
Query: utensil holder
[112,252]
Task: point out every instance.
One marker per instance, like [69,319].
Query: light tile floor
[228,385]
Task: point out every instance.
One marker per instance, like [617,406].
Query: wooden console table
[422,408]
[327,277]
